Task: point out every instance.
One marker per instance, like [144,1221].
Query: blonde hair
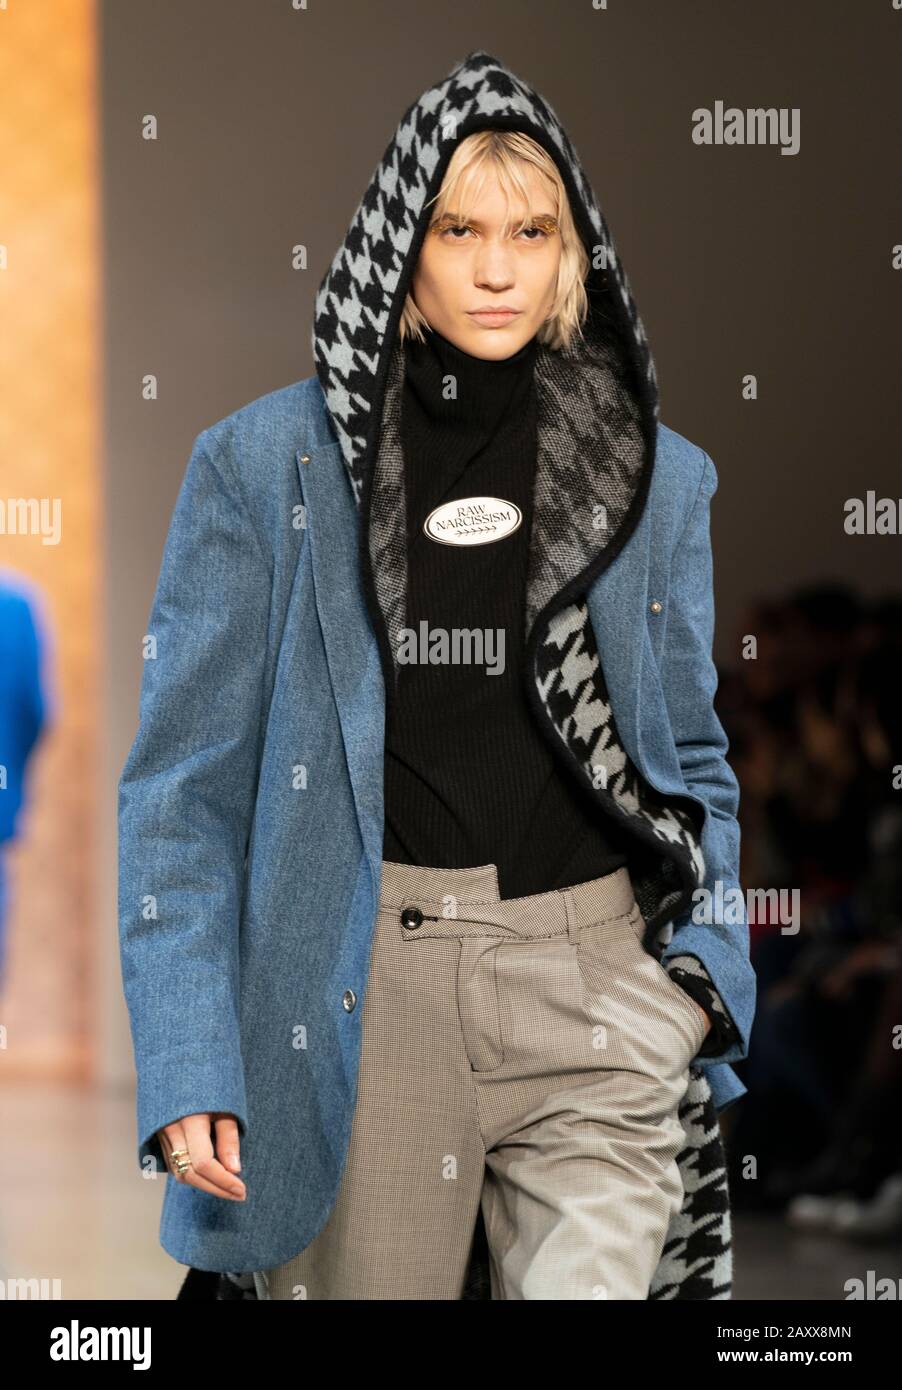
[507,151]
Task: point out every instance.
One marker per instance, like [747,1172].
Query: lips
[494,318]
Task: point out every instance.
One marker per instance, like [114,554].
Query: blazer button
[656,606]
[349,1000]
[411,917]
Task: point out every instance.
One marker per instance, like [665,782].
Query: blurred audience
[814,717]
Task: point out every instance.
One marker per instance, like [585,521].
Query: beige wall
[50,444]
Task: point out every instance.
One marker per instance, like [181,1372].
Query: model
[427,826]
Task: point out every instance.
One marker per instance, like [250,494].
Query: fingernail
[237,1191]
[233,1162]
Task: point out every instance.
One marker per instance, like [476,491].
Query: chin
[495,343]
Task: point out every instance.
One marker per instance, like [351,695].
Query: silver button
[349,1000]
[655,606]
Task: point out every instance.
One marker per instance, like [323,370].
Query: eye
[452,228]
[540,233]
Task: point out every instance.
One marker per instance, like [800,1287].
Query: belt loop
[573,929]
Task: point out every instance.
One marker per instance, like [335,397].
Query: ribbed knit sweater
[469,777]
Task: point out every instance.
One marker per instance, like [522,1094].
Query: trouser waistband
[466,902]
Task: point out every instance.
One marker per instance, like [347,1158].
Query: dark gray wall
[741,259]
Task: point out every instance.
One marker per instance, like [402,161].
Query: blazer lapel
[350,643]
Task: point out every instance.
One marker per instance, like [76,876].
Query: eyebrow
[456,217]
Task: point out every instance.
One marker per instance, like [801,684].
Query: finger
[227,1144]
[172,1139]
[206,1172]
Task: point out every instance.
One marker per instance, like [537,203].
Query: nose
[494,267]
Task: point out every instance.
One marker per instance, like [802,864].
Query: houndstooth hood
[597,410]
[598,401]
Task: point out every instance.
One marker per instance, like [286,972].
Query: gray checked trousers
[527,1054]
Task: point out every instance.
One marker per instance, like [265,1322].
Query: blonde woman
[428,794]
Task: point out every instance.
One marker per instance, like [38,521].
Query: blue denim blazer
[251,804]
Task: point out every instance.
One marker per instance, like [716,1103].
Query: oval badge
[473,521]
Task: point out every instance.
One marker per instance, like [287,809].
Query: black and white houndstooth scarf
[597,418]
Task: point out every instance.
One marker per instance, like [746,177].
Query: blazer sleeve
[185,803]
[719,945]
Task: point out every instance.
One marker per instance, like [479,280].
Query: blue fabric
[22,718]
[261,733]
[22,713]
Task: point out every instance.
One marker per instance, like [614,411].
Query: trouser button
[411,917]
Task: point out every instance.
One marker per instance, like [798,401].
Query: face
[485,292]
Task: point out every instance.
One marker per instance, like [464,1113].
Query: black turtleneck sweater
[469,777]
